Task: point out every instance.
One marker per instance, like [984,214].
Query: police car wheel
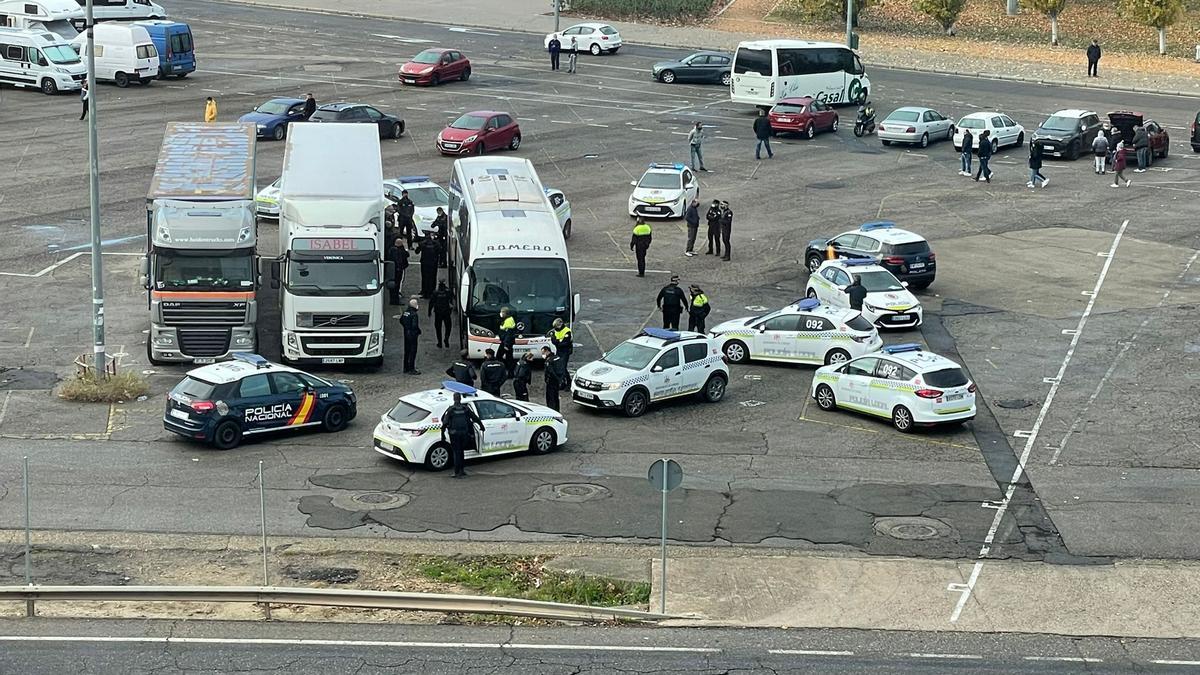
[736,352]
[544,440]
[814,263]
[714,389]
[902,419]
[335,418]
[438,457]
[635,403]
[825,398]
[227,435]
[836,356]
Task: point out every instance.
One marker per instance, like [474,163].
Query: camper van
[55,16]
[127,10]
[124,53]
[39,59]
[176,56]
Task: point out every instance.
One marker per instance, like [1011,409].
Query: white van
[127,10]
[37,58]
[124,53]
[56,16]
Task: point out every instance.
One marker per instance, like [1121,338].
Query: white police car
[904,383]
[222,402]
[412,430]
[266,202]
[888,304]
[663,191]
[656,365]
[426,197]
[803,332]
[562,208]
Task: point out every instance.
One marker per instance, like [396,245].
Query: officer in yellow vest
[560,337]
[698,310]
[508,338]
[639,243]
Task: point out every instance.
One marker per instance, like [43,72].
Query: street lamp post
[100,356]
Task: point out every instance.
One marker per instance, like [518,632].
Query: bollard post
[262,511]
[29,608]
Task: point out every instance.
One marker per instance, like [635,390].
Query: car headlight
[439,136]
[243,341]
[426,71]
[165,340]
[62,71]
[291,340]
[471,138]
[262,126]
[374,340]
[610,387]
[869,306]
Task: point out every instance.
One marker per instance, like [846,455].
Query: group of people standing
[555,47]
[673,301]
[1108,149]
[404,235]
[720,232]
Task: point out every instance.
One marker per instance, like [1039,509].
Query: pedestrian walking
[406,209]
[441,232]
[492,373]
[857,293]
[564,343]
[1100,150]
[695,140]
[441,304]
[210,110]
[698,309]
[429,265]
[1119,167]
[459,423]
[508,337]
[462,371]
[714,227]
[985,154]
[398,255]
[1035,166]
[639,243]
[967,148]
[672,300]
[310,105]
[572,55]
[1093,57]
[522,375]
[691,216]
[726,228]
[411,321]
[1141,147]
[85,95]
[762,132]
[554,377]
[554,48]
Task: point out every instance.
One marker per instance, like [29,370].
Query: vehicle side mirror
[904,284]
[656,369]
[144,272]
[575,304]
[633,183]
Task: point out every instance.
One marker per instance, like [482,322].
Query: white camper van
[36,58]
[55,16]
[124,53]
[127,10]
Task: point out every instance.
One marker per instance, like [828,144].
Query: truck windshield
[176,270]
[535,290]
[343,277]
[61,54]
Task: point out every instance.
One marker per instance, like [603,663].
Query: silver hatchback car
[919,126]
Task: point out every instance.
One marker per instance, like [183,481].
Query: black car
[390,126]
[1068,133]
[903,253]
[1196,133]
[711,67]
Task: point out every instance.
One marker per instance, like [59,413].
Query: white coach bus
[506,250]
[765,71]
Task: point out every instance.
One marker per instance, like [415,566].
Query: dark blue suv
[248,394]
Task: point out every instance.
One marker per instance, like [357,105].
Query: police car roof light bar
[660,165]
[413,179]
[855,262]
[253,359]
[877,225]
[808,303]
[459,388]
[661,334]
[899,349]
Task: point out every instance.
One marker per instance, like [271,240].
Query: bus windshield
[175,270]
[753,61]
[536,290]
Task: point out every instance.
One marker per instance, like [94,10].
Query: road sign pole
[28,564]
[100,358]
[850,23]
[557,4]
[663,603]
[665,475]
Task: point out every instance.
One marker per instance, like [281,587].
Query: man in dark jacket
[762,131]
[554,377]
[639,243]
[459,422]
[441,304]
[857,293]
[399,257]
[985,155]
[405,210]
[429,265]
[492,373]
[1035,166]
[1141,148]
[714,227]
[692,217]
[726,228]
[522,375]
[441,232]
[310,105]
[967,147]
[462,371]
[698,310]
[672,301]
[411,321]
[564,344]
[1093,56]
[554,48]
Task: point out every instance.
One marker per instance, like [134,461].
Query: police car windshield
[950,377]
[630,355]
[878,281]
[176,270]
[428,197]
[274,108]
[469,123]
[536,291]
[406,413]
[61,54]
[308,277]
[661,181]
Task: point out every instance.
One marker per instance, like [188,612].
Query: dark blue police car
[248,394]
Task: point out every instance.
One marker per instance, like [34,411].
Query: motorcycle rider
[865,123]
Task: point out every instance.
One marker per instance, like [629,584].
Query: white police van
[803,332]
[664,191]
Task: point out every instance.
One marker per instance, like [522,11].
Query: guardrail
[326,597]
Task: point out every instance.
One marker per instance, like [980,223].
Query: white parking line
[1067,659]
[810,652]
[1174,662]
[354,643]
[918,655]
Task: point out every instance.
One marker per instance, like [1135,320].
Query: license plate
[954,397]
[409,80]
[203,361]
[898,318]
[333,360]
[180,414]
[584,394]
[917,266]
[785,119]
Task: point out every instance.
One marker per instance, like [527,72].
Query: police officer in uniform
[857,293]
[399,257]
[714,227]
[462,371]
[553,376]
[672,301]
[440,306]
[459,422]
[508,337]
[429,265]
[726,227]
[560,337]
[441,232]
[410,320]
[522,375]
[639,243]
[492,373]
[405,210]
[698,310]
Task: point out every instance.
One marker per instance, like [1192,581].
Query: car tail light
[859,338]
[971,388]
[604,37]
[910,130]
[203,406]
[932,255]
[893,260]
[929,393]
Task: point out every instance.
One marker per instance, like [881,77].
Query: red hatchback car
[479,132]
[803,115]
[434,66]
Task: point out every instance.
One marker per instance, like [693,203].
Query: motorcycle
[864,123]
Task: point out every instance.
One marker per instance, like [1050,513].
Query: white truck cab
[39,59]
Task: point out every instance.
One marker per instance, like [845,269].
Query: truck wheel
[227,435]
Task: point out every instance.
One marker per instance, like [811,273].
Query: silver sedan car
[915,125]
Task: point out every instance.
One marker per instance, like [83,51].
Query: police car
[888,303]
[656,365]
[412,431]
[663,191]
[804,332]
[905,254]
[426,197]
[904,383]
[266,202]
[222,402]
[562,208]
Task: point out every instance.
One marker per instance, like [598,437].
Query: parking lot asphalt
[1093,393]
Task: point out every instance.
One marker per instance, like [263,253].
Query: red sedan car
[1123,123]
[434,66]
[804,115]
[479,132]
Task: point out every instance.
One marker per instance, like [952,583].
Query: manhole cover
[371,501]
[1014,403]
[571,492]
[913,528]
